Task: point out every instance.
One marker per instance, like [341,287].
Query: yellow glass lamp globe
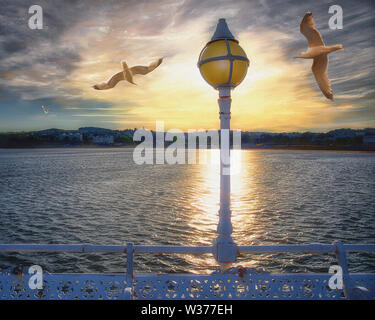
[222,62]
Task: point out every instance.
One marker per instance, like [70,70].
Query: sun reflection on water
[205,201]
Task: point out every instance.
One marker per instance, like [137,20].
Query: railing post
[351,291]
[128,294]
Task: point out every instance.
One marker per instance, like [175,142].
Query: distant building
[95,131]
[342,134]
[103,139]
[368,139]
[70,136]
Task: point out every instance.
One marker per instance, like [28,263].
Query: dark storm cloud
[21,48]
[30,53]
[14,46]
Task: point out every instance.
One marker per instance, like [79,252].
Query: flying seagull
[318,51]
[127,74]
[45,110]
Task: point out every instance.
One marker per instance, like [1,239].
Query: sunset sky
[83,42]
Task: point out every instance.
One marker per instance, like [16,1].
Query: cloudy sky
[82,43]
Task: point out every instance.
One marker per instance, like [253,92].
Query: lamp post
[223,64]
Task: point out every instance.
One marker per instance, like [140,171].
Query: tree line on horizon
[339,138]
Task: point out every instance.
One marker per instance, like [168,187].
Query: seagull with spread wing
[45,110]
[127,74]
[318,51]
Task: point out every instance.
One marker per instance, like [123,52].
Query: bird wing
[307,28]
[115,79]
[111,82]
[319,69]
[45,109]
[146,69]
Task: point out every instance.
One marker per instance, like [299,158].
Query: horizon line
[199,130]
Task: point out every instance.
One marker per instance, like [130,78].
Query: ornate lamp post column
[223,64]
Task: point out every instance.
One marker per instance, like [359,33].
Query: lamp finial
[222,31]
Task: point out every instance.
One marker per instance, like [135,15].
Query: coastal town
[340,139]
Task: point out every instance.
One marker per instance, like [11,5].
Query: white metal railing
[355,286]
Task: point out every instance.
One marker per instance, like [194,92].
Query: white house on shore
[71,136]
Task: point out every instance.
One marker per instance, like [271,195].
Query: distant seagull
[45,110]
[319,52]
[127,74]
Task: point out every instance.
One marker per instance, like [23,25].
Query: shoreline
[268,148]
